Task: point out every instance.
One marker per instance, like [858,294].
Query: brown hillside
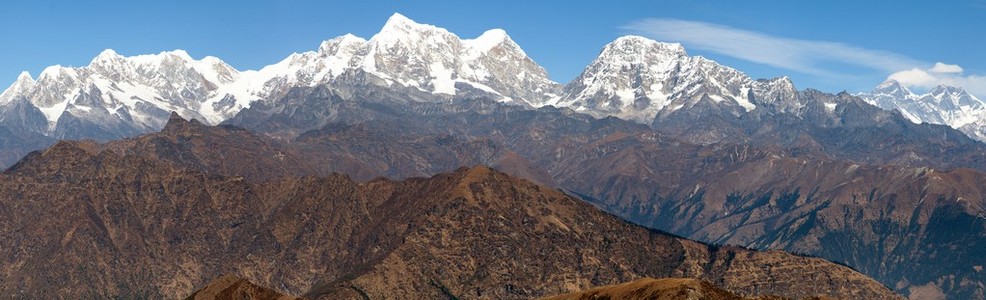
[88,222]
[232,287]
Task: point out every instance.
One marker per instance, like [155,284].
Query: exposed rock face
[232,287]
[655,289]
[83,219]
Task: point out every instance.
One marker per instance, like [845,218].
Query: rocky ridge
[761,197]
[232,287]
[134,225]
[655,289]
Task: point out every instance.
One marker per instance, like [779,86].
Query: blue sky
[828,45]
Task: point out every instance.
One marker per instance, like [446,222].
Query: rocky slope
[769,197]
[655,289]
[232,287]
[870,217]
[83,220]
[363,151]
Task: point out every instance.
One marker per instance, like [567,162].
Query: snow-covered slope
[136,93]
[435,60]
[407,54]
[633,78]
[24,84]
[943,105]
[637,78]
[120,96]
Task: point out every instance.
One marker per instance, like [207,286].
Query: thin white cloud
[806,56]
[818,58]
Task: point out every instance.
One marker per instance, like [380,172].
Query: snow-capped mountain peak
[404,55]
[124,95]
[892,87]
[638,78]
[25,76]
[489,39]
[107,56]
[401,22]
[402,30]
[345,44]
[23,83]
[415,55]
[398,21]
[632,44]
[434,60]
[216,70]
[955,97]
[944,104]
[54,72]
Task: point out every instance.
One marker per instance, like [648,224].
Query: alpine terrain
[945,105]
[416,163]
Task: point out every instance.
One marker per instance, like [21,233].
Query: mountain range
[944,105]
[116,96]
[654,136]
[633,78]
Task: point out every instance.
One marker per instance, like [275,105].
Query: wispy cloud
[818,58]
[806,56]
